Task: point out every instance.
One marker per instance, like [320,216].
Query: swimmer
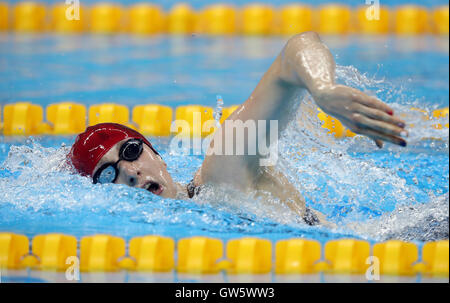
[112,153]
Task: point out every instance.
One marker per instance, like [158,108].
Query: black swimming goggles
[130,151]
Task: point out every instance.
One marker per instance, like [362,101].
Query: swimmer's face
[149,171]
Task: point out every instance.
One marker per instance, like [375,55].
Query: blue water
[177,71]
[369,193]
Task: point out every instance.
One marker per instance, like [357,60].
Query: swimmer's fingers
[379,115]
[377,136]
[369,101]
[379,143]
[364,122]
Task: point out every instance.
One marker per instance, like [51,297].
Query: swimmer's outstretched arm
[305,63]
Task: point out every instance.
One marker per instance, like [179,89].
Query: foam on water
[425,222]
[368,193]
[39,193]
[343,180]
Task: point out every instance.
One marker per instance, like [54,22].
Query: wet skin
[305,63]
[149,171]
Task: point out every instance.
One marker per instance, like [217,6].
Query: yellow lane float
[181,20]
[64,19]
[204,255]
[249,256]
[22,118]
[258,19]
[334,126]
[440,20]
[297,256]
[29,17]
[145,19]
[396,257]
[106,18]
[153,119]
[109,112]
[411,20]
[227,111]
[66,118]
[199,255]
[152,253]
[101,253]
[218,19]
[4,16]
[221,19]
[347,256]
[295,19]
[435,258]
[193,118]
[334,19]
[369,21]
[438,114]
[13,248]
[54,250]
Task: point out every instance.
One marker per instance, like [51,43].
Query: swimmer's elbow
[302,40]
[290,59]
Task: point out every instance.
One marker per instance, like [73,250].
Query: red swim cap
[96,141]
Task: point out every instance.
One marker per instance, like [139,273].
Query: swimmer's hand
[306,62]
[361,113]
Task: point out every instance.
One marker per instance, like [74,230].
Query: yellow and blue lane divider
[205,255]
[70,118]
[223,19]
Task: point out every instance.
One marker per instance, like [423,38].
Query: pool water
[368,193]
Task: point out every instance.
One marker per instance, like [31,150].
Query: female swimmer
[112,153]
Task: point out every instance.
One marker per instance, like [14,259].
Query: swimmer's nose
[131,178]
[131,174]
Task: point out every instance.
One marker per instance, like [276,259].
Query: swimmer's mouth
[154,188]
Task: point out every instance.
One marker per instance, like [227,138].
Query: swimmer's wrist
[320,90]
